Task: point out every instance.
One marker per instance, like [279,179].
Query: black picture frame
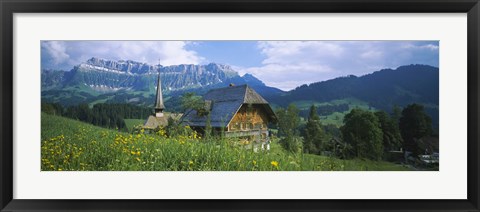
[9,7]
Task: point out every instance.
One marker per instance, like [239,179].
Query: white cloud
[431,47]
[371,54]
[56,50]
[287,76]
[286,64]
[282,52]
[67,54]
[289,64]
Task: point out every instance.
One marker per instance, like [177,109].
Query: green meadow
[131,123]
[70,145]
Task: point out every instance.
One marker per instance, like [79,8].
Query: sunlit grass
[69,145]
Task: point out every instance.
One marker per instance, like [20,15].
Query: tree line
[325,110]
[364,134]
[102,114]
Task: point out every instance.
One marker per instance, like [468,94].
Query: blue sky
[281,64]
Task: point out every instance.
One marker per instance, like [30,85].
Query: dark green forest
[104,115]
[365,134]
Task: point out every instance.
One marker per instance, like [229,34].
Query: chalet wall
[249,118]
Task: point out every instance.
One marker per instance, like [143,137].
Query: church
[159,119]
[235,111]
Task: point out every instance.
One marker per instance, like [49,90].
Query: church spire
[159,107]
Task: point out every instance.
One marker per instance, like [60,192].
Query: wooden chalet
[238,111]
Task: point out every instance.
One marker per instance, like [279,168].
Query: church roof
[224,104]
[159,96]
[154,122]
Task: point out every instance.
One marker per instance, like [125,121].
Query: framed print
[262,105]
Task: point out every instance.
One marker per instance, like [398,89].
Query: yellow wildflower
[274,163]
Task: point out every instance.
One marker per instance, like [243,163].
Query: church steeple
[159,107]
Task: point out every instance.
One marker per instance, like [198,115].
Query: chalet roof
[224,104]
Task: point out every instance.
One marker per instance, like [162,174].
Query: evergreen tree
[392,140]
[414,124]
[288,122]
[313,133]
[396,113]
[361,130]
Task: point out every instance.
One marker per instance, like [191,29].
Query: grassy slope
[133,122]
[73,145]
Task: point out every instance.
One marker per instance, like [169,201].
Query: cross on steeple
[159,107]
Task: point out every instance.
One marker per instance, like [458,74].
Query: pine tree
[313,133]
[392,140]
[288,122]
[414,124]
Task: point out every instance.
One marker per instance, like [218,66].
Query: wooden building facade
[236,111]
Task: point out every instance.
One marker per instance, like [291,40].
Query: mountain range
[98,80]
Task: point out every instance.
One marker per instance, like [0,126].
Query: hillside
[382,90]
[69,145]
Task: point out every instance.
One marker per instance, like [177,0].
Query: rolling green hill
[381,90]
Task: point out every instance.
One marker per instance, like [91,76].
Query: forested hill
[382,89]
